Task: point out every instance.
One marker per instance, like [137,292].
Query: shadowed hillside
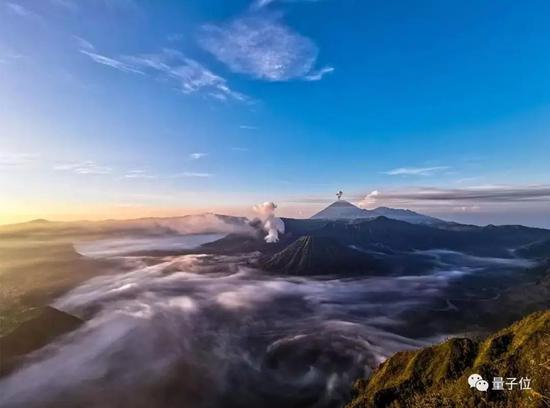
[538,249]
[33,334]
[311,255]
[34,273]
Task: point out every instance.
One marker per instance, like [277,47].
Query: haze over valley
[212,310]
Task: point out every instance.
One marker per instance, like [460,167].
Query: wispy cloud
[416,171]
[262,3]
[258,4]
[262,46]
[460,199]
[15,160]
[18,10]
[190,75]
[529,200]
[192,174]
[8,57]
[248,127]
[139,174]
[111,62]
[85,167]
[319,74]
[240,149]
[196,156]
[488,193]
[84,44]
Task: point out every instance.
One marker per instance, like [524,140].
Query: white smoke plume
[370,199]
[271,224]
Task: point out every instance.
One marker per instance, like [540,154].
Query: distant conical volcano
[344,210]
[340,209]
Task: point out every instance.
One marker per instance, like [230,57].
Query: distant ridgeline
[342,209]
[343,238]
[387,235]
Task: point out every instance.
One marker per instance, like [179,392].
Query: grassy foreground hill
[437,376]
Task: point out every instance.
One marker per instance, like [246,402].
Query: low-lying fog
[120,246]
[212,331]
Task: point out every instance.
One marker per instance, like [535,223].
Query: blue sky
[114,108]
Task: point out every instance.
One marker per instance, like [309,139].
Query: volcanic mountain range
[503,274]
[346,239]
[342,209]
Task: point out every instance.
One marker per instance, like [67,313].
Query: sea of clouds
[211,331]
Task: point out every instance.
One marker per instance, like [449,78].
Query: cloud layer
[85,167]
[111,62]
[492,194]
[263,47]
[258,4]
[16,160]
[198,155]
[182,331]
[188,75]
[416,171]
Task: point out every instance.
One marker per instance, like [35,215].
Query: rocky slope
[311,255]
[437,376]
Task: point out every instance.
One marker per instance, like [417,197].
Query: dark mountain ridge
[539,249]
[314,255]
[403,236]
[33,334]
[389,236]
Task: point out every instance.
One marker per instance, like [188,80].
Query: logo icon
[482,385]
[476,381]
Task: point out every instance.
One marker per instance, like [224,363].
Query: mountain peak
[344,210]
[340,209]
[342,203]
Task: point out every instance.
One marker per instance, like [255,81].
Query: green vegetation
[437,376]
